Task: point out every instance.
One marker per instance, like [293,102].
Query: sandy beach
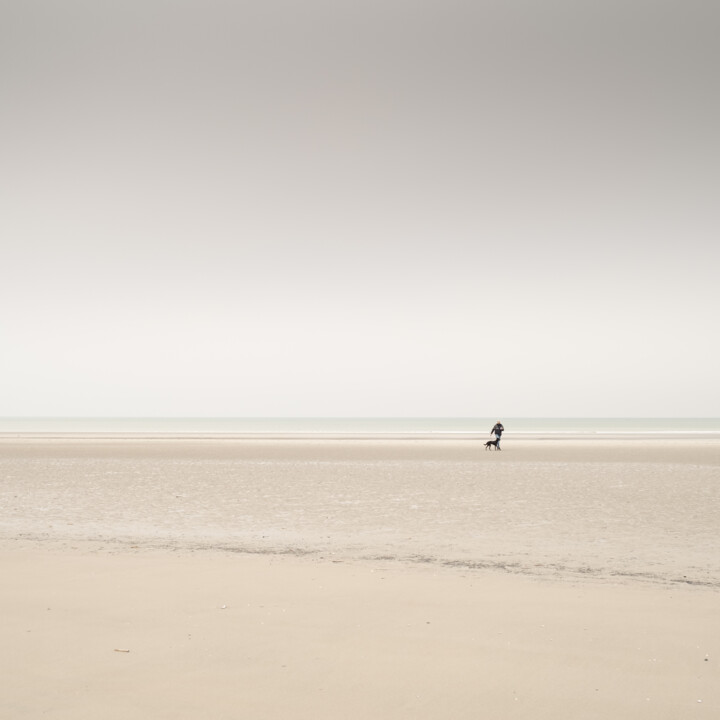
[284,578]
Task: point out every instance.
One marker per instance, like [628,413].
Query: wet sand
[565,578]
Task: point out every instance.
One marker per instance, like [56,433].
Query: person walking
[498,429]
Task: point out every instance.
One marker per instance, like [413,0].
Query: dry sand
[558,579]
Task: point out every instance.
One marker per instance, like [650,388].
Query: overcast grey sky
[359,208]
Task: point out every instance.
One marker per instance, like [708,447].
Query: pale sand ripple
[628,509]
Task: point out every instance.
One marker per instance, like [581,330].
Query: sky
[359,208]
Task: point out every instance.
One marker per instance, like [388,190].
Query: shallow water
[535,508]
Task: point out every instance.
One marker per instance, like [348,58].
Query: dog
[493,443]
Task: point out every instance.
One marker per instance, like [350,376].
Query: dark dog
[492,442]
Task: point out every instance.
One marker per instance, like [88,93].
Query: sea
[357,426]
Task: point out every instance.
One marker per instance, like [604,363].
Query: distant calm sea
[359,426]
